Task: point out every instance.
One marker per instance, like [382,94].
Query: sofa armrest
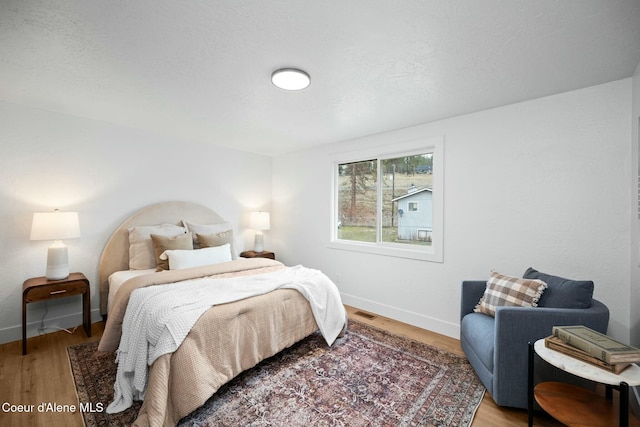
[472,291]
[515,327]
[532,323]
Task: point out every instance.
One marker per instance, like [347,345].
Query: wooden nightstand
[42,289]
[254,254]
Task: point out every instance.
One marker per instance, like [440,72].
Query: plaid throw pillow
[509,291]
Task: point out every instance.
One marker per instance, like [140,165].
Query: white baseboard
[432,324]
[52,324]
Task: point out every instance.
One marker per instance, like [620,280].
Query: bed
[226,338]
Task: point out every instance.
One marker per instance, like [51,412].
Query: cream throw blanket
[158,318]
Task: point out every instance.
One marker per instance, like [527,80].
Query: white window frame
[433,253]
[417,206]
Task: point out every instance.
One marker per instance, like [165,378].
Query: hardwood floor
[44,376]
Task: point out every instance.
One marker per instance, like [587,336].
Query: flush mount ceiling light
[290,79]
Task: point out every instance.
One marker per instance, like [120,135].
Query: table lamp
[259,221]
[56,226]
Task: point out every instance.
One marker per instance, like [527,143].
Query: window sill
[422,254]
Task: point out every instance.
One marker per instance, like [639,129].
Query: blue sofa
[497,347]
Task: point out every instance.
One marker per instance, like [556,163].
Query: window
[390,203]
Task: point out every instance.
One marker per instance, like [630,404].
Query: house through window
[388,202]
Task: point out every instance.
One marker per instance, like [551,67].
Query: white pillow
[210,229]
[181,258]
[141,254]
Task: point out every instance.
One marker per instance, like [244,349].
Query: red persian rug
[367,378]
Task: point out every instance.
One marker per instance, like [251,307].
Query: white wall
[106,173]
[635,220]
[543,183]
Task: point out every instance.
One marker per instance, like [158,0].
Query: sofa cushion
[561,292]
[504,290]
[477,331]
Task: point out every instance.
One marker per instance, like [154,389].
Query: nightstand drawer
[57,290]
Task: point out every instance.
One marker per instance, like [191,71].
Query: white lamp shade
[55,226]
[259,221]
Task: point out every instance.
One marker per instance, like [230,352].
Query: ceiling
[200,69]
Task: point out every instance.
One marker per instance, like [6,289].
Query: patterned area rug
[367,378]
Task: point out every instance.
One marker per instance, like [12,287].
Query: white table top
[630,375]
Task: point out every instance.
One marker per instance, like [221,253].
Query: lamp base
[57,261]
[258,244]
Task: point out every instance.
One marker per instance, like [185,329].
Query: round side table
[573,405]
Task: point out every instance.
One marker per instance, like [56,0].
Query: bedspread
[226,340]
[113,328]
[158,318]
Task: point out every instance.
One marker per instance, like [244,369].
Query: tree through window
[386,200]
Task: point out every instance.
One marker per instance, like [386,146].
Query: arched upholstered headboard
[115,255]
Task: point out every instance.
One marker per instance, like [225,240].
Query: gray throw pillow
[561,292]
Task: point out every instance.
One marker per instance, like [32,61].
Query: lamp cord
[42,328]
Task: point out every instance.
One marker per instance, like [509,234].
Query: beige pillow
[205,229]
[217,239]
[163,243]
[213,235]
[504,290]
[141,255]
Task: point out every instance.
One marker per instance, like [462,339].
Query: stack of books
[593,347]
